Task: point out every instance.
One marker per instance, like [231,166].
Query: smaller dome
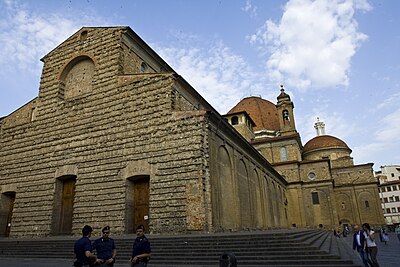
[324,141]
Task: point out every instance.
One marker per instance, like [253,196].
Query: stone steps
[268,248]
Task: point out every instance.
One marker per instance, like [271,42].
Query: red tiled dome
[261,111]
[324,141]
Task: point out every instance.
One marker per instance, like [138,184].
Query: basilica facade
[325,188]
[116,137]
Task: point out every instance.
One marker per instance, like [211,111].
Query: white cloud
[389,128]
[385,140]
[335,125]
[390,101]
[219,75]
[26,35]
[313,43]
[250,8]
[383,153]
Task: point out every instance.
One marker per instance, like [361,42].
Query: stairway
[280,248]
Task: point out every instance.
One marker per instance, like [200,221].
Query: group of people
[105,249]
[102,251]
[364,243]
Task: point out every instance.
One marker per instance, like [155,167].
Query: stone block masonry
[99,133]
[117,138]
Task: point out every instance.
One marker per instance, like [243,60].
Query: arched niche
[225,203]
[76,79]
[244,194]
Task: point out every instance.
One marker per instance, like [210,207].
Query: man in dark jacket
[359,244]
[141,249]
[105,248]
[83,249]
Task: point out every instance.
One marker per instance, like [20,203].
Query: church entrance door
[67,203]
[7,201]
[141,202]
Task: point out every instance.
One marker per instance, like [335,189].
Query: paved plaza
[388,256]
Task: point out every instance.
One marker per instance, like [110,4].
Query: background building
[389,188]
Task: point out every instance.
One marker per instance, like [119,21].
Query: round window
[311,175]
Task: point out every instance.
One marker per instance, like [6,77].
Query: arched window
[315,198]
[83,36]
[285,115]
[143,67]
[283,153]
[235,120]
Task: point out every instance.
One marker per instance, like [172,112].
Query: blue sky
[338,59]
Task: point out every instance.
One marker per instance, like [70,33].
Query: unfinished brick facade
[117,138]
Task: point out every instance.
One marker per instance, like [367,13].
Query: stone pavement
[388,255]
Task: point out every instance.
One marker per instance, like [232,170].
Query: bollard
[227,259]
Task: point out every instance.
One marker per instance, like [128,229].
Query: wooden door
[10,212]
[67,206]
[141,203]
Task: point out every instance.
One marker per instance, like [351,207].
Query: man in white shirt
[360,245]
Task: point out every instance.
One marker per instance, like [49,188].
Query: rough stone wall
[359,204]
[122,120]
[346,206]
[132,62]
[302,211]
[324,212]
[352,198]
[331,153]
[315,171]
[266,150]
[290,171]
[293,151]
[305,171]
[356,185]
[245,131]
[355,174]
[296,212]
[23,115]
[63,133]
[272,150]
[342,162]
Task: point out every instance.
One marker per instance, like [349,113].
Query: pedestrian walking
[371,245]
[359,244]
[385,237]
[397,231]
